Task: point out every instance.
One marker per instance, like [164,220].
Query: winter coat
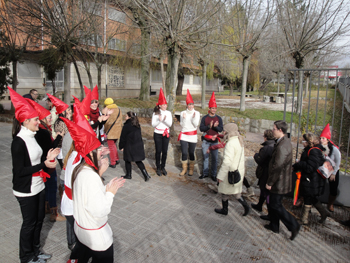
[114,132]
[233,158]
[280,167]
[131,142]
[311,182]
[262,158]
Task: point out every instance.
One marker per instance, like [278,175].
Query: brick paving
[172,219]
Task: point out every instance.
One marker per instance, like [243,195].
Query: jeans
[51,189]
[71,239]
[33,213]
[113,155]
[277,212]
[84,254]
[214,158]
[161,142]
[187,147]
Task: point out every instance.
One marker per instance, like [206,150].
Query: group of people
[76,141]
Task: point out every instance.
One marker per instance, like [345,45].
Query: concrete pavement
[172,219]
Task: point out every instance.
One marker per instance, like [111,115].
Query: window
[116,76]
[93,39]
[59,81]
[197,80]
[117,44]
[29,70]
[187,79]
[156,76]
[93,8]
[116,15]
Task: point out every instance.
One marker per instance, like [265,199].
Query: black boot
[159,171]
[245,205]
[323,212]
[224,209]
[145,174]
[258,206]
[127,175]
[164,171]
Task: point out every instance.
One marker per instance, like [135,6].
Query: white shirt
[35,152]
[160,126]
[189,124]
[66,203]
[91,206]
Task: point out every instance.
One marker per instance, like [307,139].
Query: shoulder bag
[234,176]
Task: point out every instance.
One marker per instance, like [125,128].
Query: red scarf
[94,114]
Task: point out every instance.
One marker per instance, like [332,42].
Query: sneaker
[44,256]
[37,260]
[203,176]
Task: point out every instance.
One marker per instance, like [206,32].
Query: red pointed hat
[212,101]
[161,98]
[80,120]
[94,93]
[42,112]
[326,132]
[60,105]
[86,90]
[84,141]
[189,98]
[23,109]
[84,106]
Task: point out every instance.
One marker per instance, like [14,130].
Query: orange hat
[212,101]
[84,141]
[42,112]
[189,98]
[60,105]
[161,98]
[80,120]
[94,93]
[326,132]
[23,110]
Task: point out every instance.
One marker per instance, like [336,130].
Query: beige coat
[232,160]
[116,130]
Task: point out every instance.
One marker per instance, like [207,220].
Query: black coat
[311,183]
[131,141]
[262,158]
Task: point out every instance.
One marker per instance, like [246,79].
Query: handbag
[234,176]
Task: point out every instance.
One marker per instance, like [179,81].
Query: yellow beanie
[109,101]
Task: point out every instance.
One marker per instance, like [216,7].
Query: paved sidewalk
[172,219]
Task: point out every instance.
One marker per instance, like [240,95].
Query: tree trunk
[162,72]
[204,84]
[14,81]
[231,89]
[300,93]
[278,82]
[67,96]
[306,91]
[53,87]
[99,79]
[171,76]
[79,78]
[244,82]
[145,64]
[180,84]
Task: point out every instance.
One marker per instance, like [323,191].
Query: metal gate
[318,97]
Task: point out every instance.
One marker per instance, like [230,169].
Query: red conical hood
[326,132]
[42,112]
[212,101]
[86,90]
[94,93]
[80,120]
[189,98]
[23,110]
[161,98]
[85,104]
[60,105]
[84,141]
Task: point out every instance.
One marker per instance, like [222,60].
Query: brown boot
[331,200]
[55,216]
[305,216]
[47,208]
[191,169]
[184,167]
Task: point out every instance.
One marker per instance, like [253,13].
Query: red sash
[89,229]
[68,192]
[187,133]
[165,133]
[209,137]
[42,174]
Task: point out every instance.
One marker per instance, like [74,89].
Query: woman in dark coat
[132,145]
[311,183]
[262,158]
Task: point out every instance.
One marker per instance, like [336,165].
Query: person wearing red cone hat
[332,151]
[29,177]
[92,200]
[46,142]
[189,121]
[161,122]
[211,125]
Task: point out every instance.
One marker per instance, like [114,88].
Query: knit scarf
[94,114]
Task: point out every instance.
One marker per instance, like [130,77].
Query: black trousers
[277,212]
[333,185]
[161,142]
[33,213]
[189,147]
[85,253]
[139,164]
